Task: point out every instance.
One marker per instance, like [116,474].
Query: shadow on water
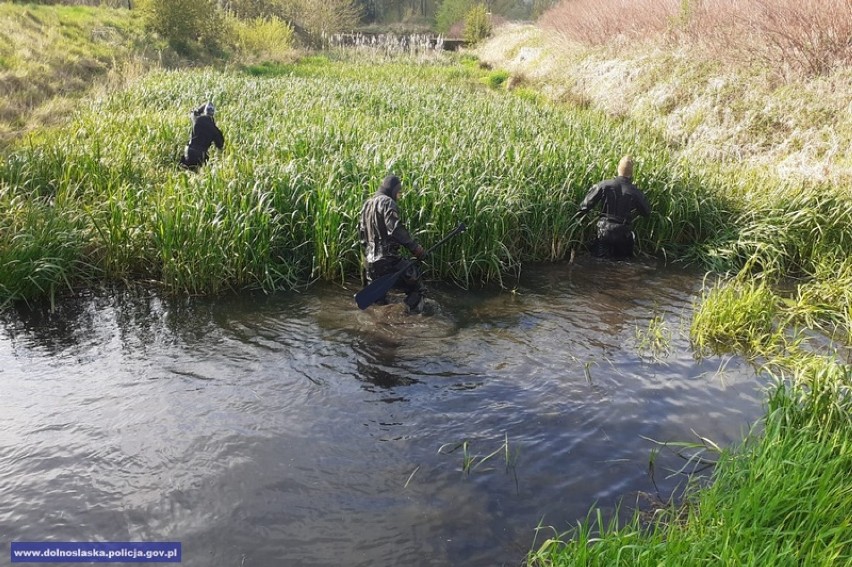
[295,429]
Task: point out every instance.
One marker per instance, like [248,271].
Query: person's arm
[592,198]
[398,232]
[218,137]
[642,204]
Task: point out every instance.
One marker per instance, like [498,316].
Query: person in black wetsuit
[205,133]
[619,200]
[382,234]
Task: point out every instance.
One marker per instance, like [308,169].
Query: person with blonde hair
[620,201]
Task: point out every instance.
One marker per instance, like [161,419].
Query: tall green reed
[307,143]
[41,247]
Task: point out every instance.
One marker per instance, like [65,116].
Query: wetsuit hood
[388,185]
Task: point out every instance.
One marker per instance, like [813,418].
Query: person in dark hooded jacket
[204,134]
[383,234]
[620,200]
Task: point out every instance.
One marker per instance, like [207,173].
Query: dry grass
[50,55]
[708,109]
[793,37]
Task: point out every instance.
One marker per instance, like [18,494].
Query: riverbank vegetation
[52,56]
[278,207]
[291,195]
[779,499]
[509,165]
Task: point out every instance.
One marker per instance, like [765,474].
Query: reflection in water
[296,429]
[51,328]
[376,366]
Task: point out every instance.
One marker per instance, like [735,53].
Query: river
[294,429]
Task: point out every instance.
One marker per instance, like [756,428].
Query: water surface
[293,429]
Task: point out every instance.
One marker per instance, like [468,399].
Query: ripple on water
[294,428]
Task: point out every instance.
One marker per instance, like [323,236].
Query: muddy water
[293,429]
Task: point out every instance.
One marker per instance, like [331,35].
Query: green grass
[304,149]
[41,248]
[780,498]
[741,316]
[58,51]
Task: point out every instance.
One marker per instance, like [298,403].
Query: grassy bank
[781,498]
[52,55]
[100,198]
[710,107]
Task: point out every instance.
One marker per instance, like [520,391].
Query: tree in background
[324,16]
[184,24]
[509,9]
[309,18]
[477,24]
[419,12]
[451,12]
[539,7]
[249,9]
[397,11]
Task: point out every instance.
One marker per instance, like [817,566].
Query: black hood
[389,183]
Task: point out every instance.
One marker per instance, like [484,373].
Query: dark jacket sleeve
[397,230]
[218,137]
[362,227]
[592,197]
[642,205]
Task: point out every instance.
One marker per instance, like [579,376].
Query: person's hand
[420,253]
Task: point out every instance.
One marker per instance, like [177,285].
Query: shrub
[251,9]
[477,24]
[269,39]
[795,37]
[319,17]
[451,12]
[496,79]
[184,23]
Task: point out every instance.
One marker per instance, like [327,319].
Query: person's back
[619,199]
[204,134]
[379,220]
